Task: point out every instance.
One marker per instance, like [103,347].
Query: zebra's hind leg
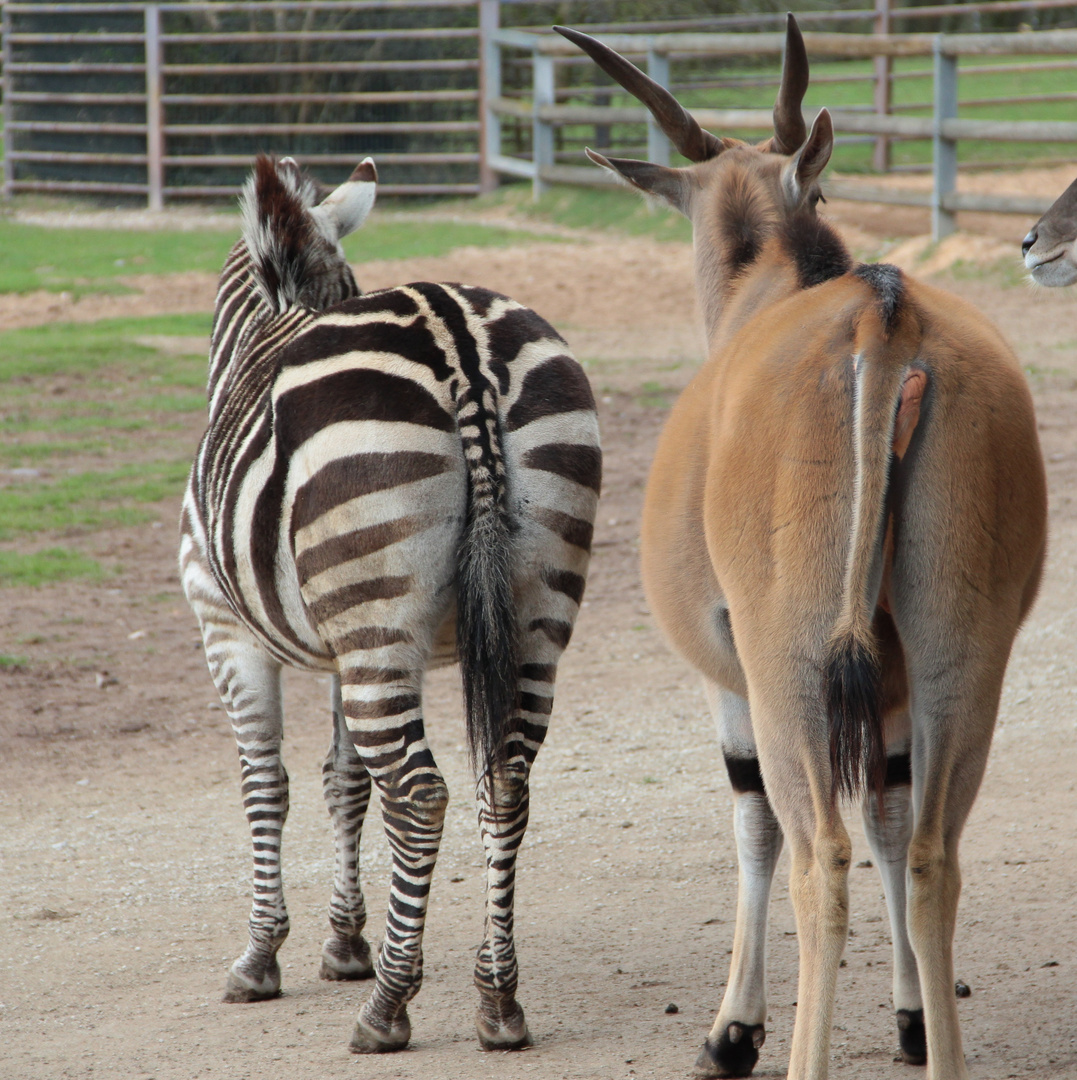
[384,718]
[503,811]
[547,608]
[248,680]
[346,786]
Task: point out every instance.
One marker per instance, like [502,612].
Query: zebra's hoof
[501,1025]
[367,1039]
[732,1055]
[912,1036]
[346,959]
[242,988]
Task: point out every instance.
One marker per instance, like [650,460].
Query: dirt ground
[124,854]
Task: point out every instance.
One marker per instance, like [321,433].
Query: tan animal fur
[844,526]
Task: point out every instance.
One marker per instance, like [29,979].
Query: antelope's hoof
[368,1039]
[240,987]
[734,1054]
[500,1024]
[912,1037]
[346,959]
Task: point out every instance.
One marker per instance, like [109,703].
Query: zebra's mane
[290,258]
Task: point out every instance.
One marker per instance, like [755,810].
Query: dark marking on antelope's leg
[888,828]
[912,1036]
[898,770]
[734,1054]
[744,774]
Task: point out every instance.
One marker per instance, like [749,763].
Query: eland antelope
[1050,247]
[844,526]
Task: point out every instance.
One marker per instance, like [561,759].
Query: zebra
[387,482]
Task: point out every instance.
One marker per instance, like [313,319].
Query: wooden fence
[943,128]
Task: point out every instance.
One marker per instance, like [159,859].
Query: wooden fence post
[155,143]
[657,143]
[542,144]
[9,164]
[489,91]
[880,158]
[943,150]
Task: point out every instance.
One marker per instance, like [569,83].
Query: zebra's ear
[345,209]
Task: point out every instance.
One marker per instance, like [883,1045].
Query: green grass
[89,390]
[43,568]
[614,210]
[90,260]
[611,209]
[653,395]
[84,349]
[422,238]
[84,261]
[104,424]
[89,500]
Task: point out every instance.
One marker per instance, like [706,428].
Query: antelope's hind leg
[888,834]
[791,734]
[732,1048]
[955,702]
[956,634]
[346,786]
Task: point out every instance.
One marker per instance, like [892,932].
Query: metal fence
[174,99]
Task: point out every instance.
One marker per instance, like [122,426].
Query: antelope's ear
[672,186]
[345,209]
[807,164]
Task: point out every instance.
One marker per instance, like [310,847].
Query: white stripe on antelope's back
[387,482]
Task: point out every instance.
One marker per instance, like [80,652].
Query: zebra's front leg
[733,1045]
[346,786]
[248,680]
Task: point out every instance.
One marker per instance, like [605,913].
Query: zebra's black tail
[486,632]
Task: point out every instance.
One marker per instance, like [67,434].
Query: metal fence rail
[943,128]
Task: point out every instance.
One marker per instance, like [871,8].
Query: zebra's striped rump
[388,482]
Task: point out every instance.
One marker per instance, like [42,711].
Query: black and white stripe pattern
[387,482]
